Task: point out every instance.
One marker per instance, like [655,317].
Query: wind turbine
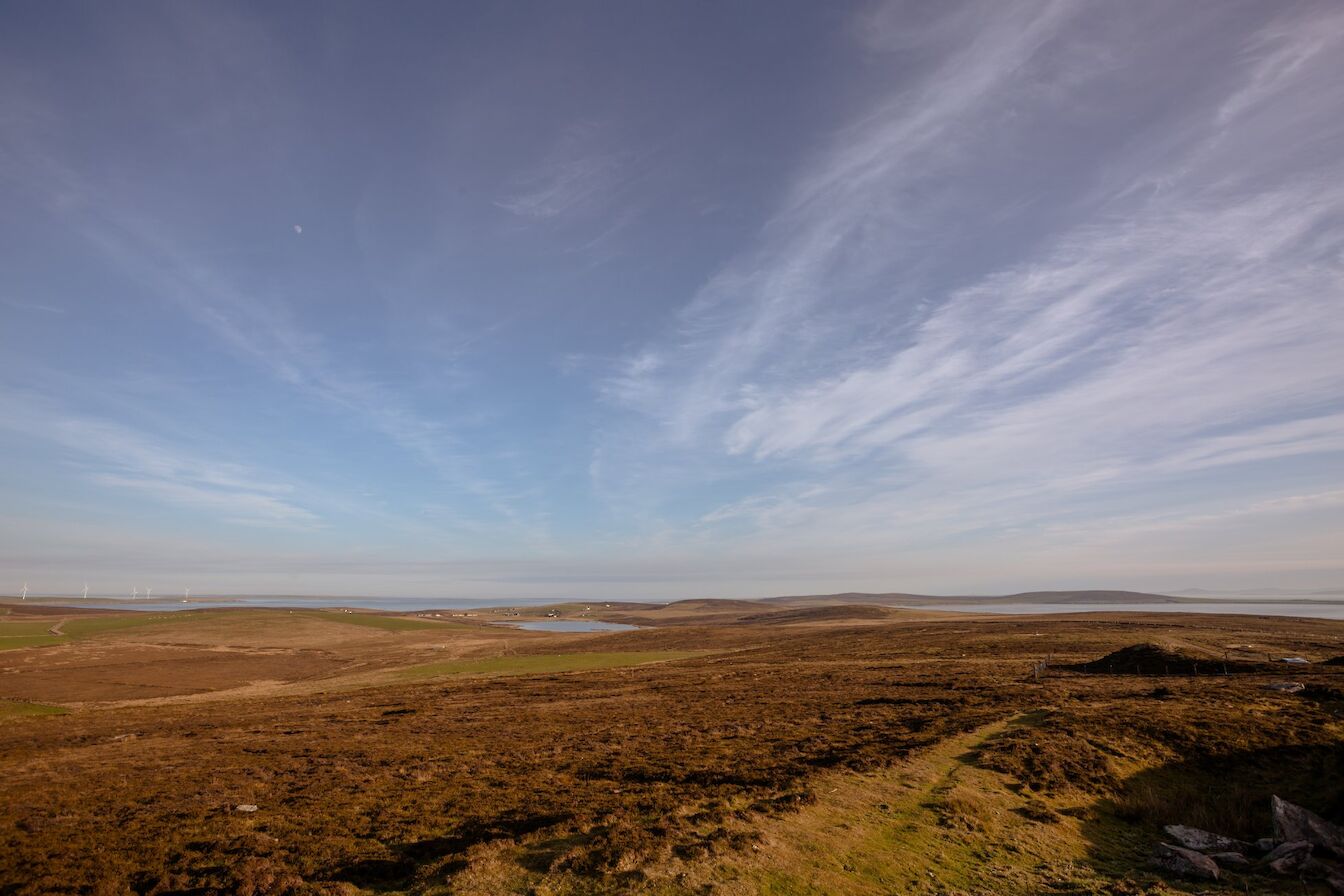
[135,592]
[148,591]
[86,590]
[186,595]
[24,596]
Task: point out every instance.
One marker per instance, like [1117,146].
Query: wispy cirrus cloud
[32,306]
[1189,318]
[265,334]
[820,246]
[1200,308]
[1046,290]
[113,456]
[168,261]
[581,172]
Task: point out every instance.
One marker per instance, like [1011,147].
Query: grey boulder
[1184,862]
[1315,869]
[1287,858]
[1203,841]
[1286,687]
[1233,861]
[1292,822]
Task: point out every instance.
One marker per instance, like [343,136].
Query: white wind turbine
[135,592]
[86,590]
[24,595]
[186,595]
[148,591]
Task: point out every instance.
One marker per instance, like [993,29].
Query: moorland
[722,747]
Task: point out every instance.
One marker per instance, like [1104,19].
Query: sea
[1322,608]
[1308,609]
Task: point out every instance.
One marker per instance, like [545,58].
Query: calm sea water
[1314,609]
[1303,608]
[391,604]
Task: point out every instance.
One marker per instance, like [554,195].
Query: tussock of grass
[1057,758]
[544,664]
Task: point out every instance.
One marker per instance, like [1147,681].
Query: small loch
[570,625]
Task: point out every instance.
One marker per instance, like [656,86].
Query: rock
[1292,822]
[1203,841]
[1265,845]
[246,807]
[1315,869]
[1233,861]
[1288,857]
[1286,687]
[1184,862]
[1336,883]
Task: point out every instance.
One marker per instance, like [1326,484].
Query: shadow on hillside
[445,854]
[1227,794]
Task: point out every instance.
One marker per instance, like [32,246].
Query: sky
[671,299]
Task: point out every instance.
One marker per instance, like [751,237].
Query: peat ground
[753,751]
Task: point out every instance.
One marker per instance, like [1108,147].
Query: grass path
[935,824]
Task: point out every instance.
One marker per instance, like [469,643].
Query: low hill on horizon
[1024,597]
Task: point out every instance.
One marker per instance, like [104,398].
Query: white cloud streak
[1173,329]
[266,335]
[578,174]
[114,456]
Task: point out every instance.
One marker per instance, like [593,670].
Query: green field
[14,635]
[23,629]
[81,626]
[87,626]
[386,623]
[545,664]
[15,642]
[15,709]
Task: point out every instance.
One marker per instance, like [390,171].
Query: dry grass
[543,664]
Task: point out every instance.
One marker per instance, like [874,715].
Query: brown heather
[721,750]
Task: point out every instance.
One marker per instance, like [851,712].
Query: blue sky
[662,300]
